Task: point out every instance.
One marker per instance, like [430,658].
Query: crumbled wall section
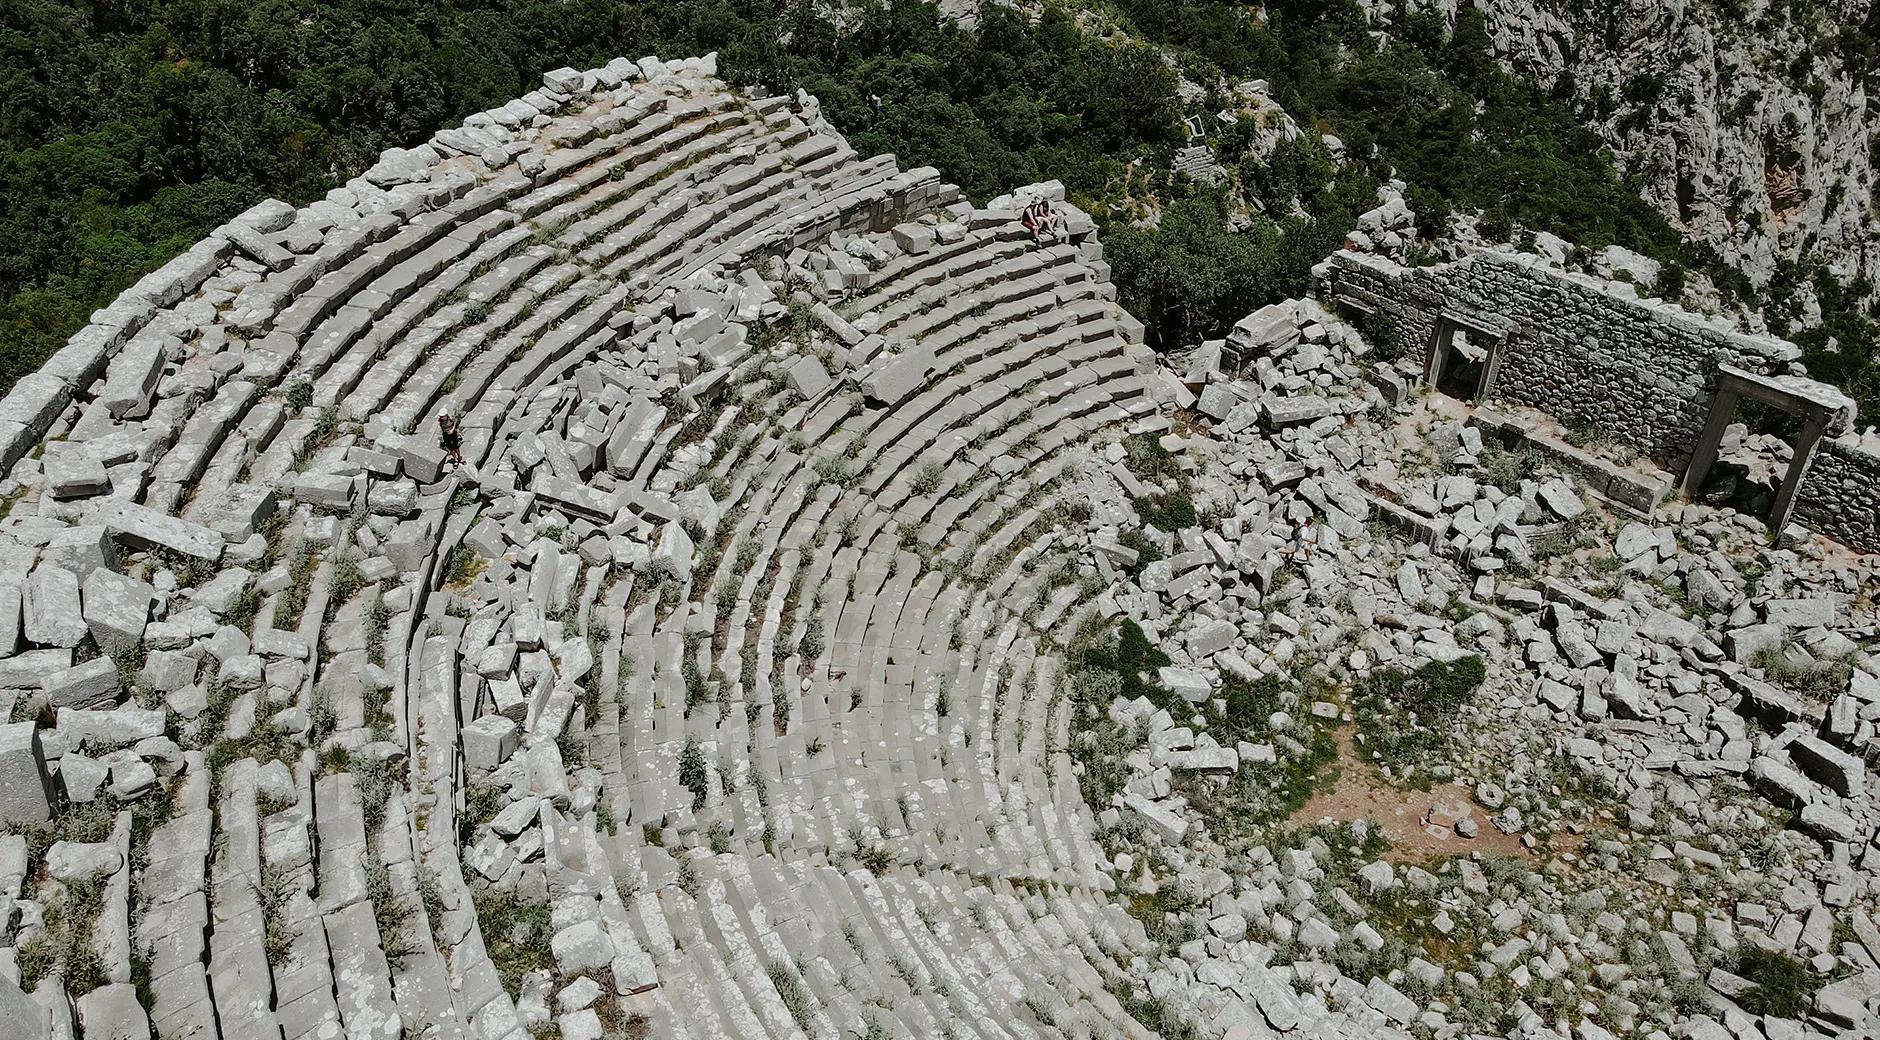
[1840,496]
[1581,351]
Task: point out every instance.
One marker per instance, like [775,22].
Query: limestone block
[28,670]
[808,376]
[1843,772]
[90,685]
[324,489]
[54,616]
[1780,783]
[1168,823]
[674,552]
[576,497]
[1203,760]
[422,460]
[25,783]
[106,730]
[144,528]
[1281,412]
[893,379]
[117,608]
[1190,685]
[238,511]
[489,741]
[70,474]
[25,1019]
[81,549]
[1801,613]
[131,776]
[1212,638]
[34,402]
[1750,640]
[582,947]
[131,377]
[1216,401]
[77,862]
[1828,823]
[81,776]
[913,239]
[633,436]
[562,81]
[275,643]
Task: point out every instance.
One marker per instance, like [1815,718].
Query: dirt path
[1419,824]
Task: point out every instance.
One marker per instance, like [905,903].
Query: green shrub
[1815,680]
[517,932]
[1167,512]
[812,645]
[927,479]
[1507,469]
[796,999]
[1785,987]
[1146,458]
[1384,335]
[1128,658]
[242,609]
[461,566]
[1405,716]
[1249,707]
[692,772]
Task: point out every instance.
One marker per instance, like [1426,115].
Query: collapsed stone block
[25,783]
[489,741]
[54,616]
[117,608]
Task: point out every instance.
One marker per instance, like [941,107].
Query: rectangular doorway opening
[1462,360]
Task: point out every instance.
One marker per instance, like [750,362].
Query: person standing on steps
[1307,540]
[450,435]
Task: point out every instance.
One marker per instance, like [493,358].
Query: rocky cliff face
[1745,121]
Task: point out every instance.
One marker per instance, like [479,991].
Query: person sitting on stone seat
[1040,219]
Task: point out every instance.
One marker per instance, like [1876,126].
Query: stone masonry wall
[1585,353]
[1577,350]
[1840,495]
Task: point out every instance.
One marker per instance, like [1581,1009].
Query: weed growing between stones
[1166,512]
[64,945]
[462,566]
[1782,986]
[1819,681]
[1128,658]
[517,932]
[692,773]
[796,1000]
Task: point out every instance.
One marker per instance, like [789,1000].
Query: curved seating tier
[727,673]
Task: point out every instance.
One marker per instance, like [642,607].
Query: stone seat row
[397,270]
[936,953]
